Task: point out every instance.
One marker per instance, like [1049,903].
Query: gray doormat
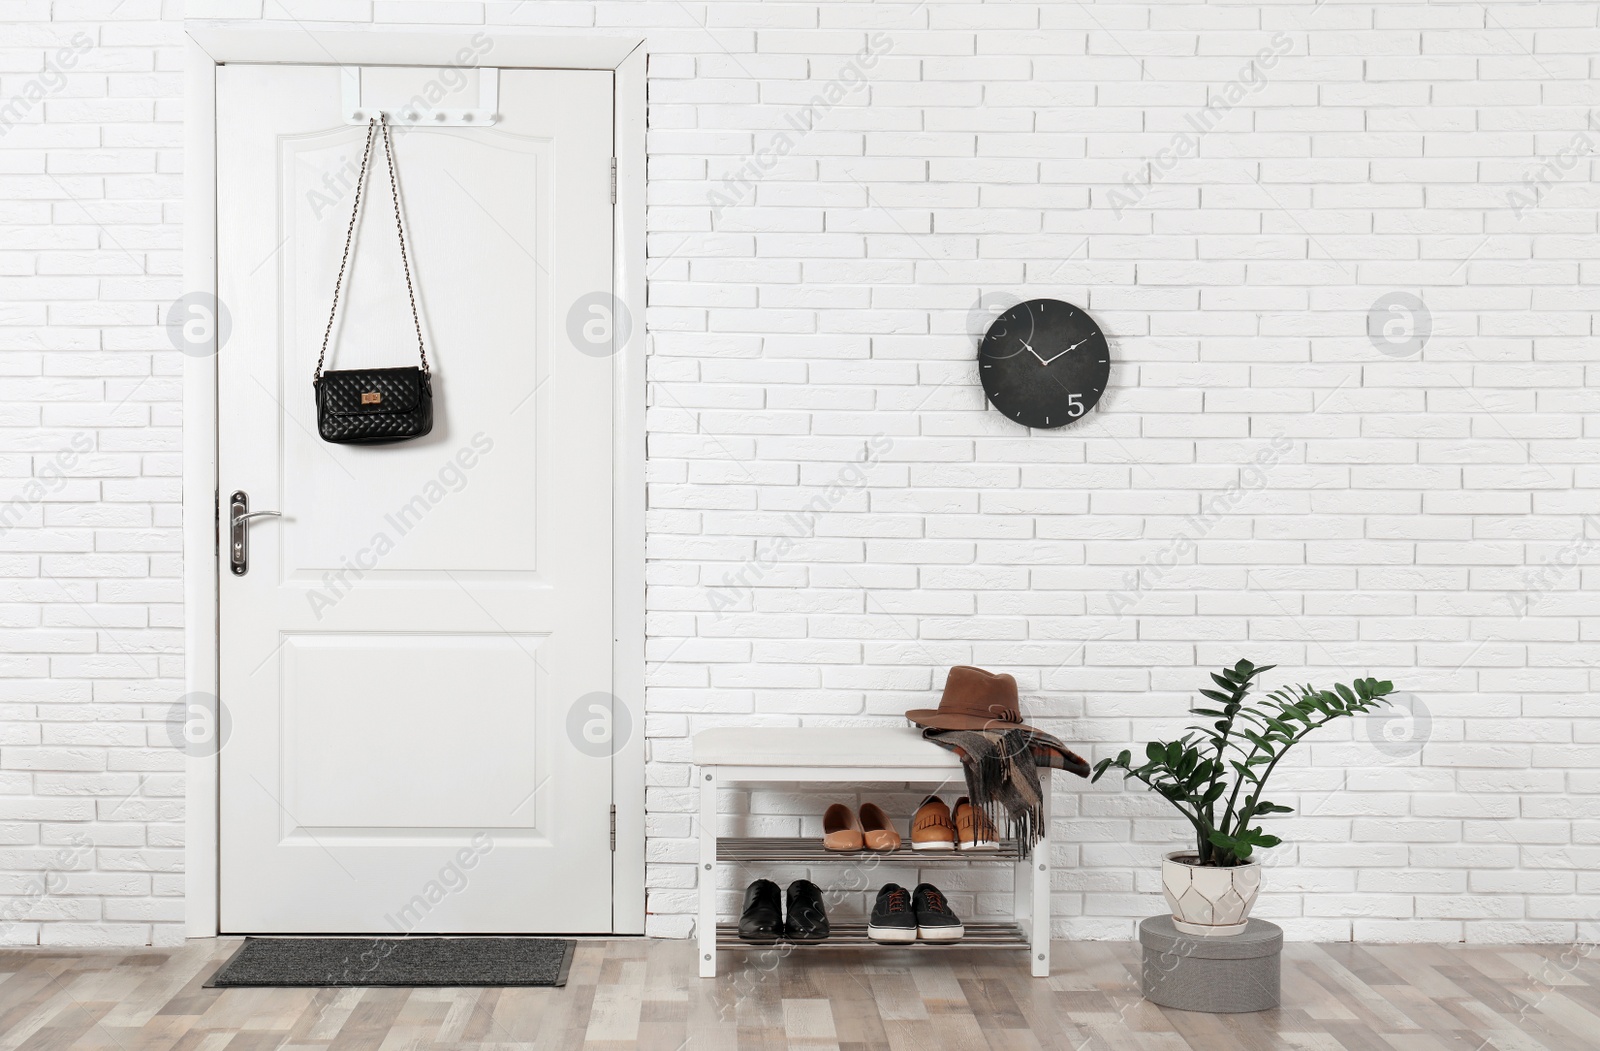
[396,962]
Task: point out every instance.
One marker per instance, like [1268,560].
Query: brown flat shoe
[877,829]
[974,830]
[840,829]
[931,827]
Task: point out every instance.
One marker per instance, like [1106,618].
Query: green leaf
[1344,691]
[1259,741]
[1155,751]
[1174,751]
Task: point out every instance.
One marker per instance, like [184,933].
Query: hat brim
[934,719]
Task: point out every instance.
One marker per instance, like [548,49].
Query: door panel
[381,690]
[479,224]
[400,659]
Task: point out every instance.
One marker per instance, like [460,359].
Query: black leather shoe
[762,919]
[935,921]
[808,919]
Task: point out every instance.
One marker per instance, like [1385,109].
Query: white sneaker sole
[982,844]
[941,934]
[933,846]
[898,935]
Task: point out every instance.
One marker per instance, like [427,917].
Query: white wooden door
[400,660]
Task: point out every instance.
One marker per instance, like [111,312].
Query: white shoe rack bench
[872,756]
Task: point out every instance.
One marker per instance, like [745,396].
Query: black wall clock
[1044,363]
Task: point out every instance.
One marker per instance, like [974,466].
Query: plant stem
[1261,784]
[1233,797]
[1193,819]
[1236,702]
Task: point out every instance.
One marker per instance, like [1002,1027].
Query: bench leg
[1039,866]
[706,925]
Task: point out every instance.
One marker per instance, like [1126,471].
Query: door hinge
[613,826]
[216,522]
[613,180]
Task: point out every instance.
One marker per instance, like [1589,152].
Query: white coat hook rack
[416,113]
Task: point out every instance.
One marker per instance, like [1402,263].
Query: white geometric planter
[1207,901]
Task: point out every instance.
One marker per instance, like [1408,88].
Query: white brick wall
[1417,516]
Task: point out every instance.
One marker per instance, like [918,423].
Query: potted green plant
[1216,776]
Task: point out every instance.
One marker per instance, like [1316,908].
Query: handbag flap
[372,392]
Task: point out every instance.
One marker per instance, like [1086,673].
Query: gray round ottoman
[1216,975]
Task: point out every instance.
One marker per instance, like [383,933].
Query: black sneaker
[808,919]
[892,918]
[762,920]
[935,921]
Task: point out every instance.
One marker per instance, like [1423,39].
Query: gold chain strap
[380,122]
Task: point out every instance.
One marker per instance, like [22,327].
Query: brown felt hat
[974,699]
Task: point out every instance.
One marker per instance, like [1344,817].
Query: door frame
[209,44]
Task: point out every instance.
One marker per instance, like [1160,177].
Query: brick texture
[1346,254]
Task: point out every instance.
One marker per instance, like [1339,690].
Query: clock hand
[1070,349]
[1035,353]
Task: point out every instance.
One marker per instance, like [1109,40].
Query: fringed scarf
[1003,776]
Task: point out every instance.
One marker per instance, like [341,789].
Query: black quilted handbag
[373,406]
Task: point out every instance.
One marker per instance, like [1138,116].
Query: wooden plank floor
[644,994]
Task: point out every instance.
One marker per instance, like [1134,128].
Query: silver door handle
[239,515]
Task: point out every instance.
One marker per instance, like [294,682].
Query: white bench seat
[780,750]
